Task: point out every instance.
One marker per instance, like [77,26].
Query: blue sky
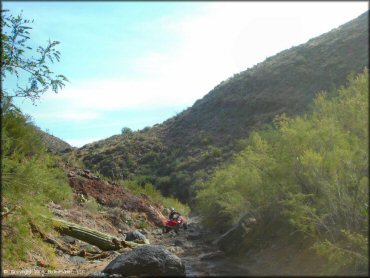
[135,64]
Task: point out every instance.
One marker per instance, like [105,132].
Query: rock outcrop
[240,237]
[149,260]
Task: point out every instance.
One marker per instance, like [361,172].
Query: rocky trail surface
[201,256]
[123,213]
[196,250]
[109,208]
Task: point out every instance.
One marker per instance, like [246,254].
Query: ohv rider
[173,214]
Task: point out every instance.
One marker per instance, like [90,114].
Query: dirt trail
[193,246]
[200,256]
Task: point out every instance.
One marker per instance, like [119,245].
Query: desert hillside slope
[186,148]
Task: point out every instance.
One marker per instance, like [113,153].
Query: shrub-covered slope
[187,147]
[30,178]
[310,173]
[35,182]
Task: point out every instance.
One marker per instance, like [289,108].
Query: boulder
[240,237]
[137,237]
[147,260]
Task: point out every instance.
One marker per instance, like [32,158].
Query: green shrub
[30,180]
[156,196]
[91,205]
[311,171]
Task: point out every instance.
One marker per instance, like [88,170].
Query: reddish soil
[112,194]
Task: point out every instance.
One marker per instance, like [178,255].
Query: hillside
[53,143]
[188,147]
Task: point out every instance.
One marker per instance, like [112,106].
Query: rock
[136,236]
[175,250]
[123,226]
[92,249]
[77,259]
[194,227]
[68,239]
[240,237]
[53,205]
[97,274]
[41,263]
[189,244]
[157,232]
[59,213]
[178,242]
[144,231]
[147,260]
[101,200]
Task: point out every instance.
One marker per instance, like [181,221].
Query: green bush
[30,180]
[311,171]
[91,205]
[156,196]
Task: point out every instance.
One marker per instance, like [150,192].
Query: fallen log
[104,241]
[68,250]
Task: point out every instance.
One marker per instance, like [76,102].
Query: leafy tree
[16,60]
[126,130]
[310,171]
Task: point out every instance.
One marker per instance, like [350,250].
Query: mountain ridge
[175,154]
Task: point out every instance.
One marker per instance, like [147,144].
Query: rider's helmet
[172,209]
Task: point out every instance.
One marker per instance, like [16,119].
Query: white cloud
[214,44]
[221,39]
[67,115]
[107,95]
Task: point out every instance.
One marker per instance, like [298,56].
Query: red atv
[174,224]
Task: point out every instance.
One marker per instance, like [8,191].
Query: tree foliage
[311,171]
[126,130]
[17,60]
[30,176]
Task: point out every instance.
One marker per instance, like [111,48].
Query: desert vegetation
[309,171]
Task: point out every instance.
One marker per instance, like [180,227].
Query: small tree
[16,60]
[126,130]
